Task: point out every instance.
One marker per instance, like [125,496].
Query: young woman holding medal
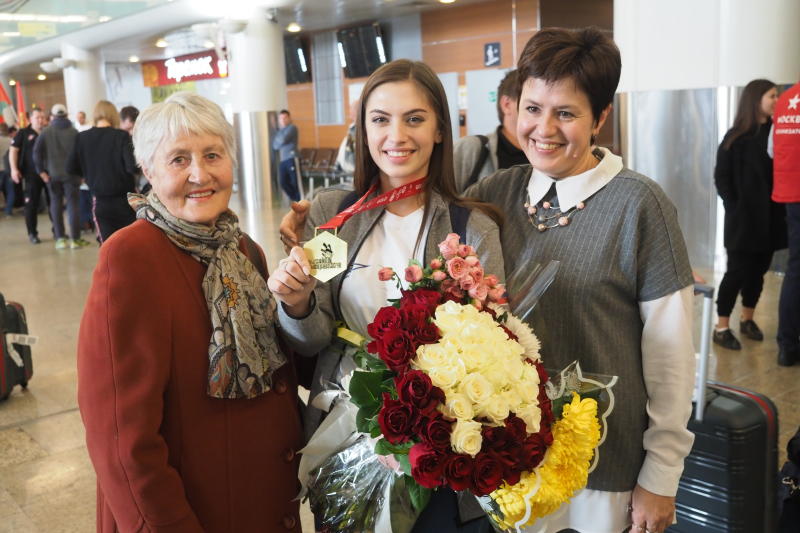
[404,204]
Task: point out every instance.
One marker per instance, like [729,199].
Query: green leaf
[405,463]
[365,418]
[365,388]
[419,494]
[384,447]
[374,428]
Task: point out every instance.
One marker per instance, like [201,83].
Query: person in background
[190,404]
[346,157]
[81,124]
[103,156]
[285,142]
[127,118]
[755,226]
[50,154]
[786,190]
[6,183]
[477,156]
[23,170]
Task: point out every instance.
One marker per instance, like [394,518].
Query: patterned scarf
[243,351]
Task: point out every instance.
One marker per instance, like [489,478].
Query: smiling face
[402,130]
[555,127]
[193,177]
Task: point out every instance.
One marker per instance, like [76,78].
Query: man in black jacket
[20,158]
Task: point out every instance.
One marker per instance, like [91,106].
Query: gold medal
[327,254]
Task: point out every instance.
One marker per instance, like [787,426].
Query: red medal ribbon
[404,191]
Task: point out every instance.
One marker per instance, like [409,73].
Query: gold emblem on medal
[327,254]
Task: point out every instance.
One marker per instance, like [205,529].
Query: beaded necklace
[547,212]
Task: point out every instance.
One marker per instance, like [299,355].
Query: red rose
[396,349]
[387,319]
[416,389]
[516,428]
[427,465]
[532,451]
[436,433]
[427,334]
[426,297]
[487,474]
[543,377]
[396,420]
[458,472]
[414,316]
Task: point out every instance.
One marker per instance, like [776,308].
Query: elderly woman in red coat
[189,403]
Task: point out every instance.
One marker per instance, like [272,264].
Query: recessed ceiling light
[41,77]
[133,59]
[208,43]
[293,27]
[11,34]
[446,1]
[104,18]
[161,43]
[12,82]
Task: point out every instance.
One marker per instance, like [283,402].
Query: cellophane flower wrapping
[452,385]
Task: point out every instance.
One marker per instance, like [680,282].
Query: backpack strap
[484,154]
[459,215]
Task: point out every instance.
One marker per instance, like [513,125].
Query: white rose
[532,416]
[477,388]
[496,409]
[466,437]
[446,375]
[458,406]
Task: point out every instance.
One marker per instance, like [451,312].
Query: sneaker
[751,330]
[726,339]
[74,244]
[787,357]
[61,244]
[34,239]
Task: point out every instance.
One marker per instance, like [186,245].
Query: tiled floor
[46,480]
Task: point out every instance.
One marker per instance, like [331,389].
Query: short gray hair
[183,113]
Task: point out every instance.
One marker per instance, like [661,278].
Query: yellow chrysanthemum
[563,471]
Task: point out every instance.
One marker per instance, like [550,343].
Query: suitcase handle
[705,348]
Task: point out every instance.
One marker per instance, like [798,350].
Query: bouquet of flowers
[453,387]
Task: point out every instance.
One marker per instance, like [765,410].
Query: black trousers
[745,275]
[789,308]
[34,186]
[441,516]
[111,213]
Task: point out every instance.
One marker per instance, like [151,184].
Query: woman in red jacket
[189,403]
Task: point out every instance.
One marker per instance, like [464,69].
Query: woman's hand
[292,224]
[292,283]
[650,512]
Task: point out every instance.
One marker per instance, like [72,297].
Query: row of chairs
[318,166]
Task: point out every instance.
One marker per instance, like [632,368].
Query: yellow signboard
[36,29]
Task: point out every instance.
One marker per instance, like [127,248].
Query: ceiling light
[104,19]
[62,62]
[133,59]
[293,27]
[30,17]
[161,43]
[48,66]
[41,77]
[446,1]
[12,82]
[208,43]
[11,34]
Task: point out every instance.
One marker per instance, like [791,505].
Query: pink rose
[472,260]
[448,249]
[413,273]
[453,237]
[479,292]
[456,267]
[497,294]
[491,280]
[385,274]
[477,274]
[464,250]
[454,293]
[439,275]
[436,264]
[467,282]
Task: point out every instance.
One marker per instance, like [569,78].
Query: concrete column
[83,82]
[258,90]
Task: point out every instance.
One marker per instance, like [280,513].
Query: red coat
[168,457]
[786,147]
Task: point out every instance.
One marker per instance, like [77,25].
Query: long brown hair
[441,176]
[749,111]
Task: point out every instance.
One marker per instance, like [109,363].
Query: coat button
[289,522]
[281,387]
[288,455]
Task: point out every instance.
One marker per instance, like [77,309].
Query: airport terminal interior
[255,58]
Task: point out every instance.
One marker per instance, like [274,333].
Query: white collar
[577,188]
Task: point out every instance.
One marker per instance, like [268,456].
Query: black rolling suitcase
[729,478]
[16,365]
